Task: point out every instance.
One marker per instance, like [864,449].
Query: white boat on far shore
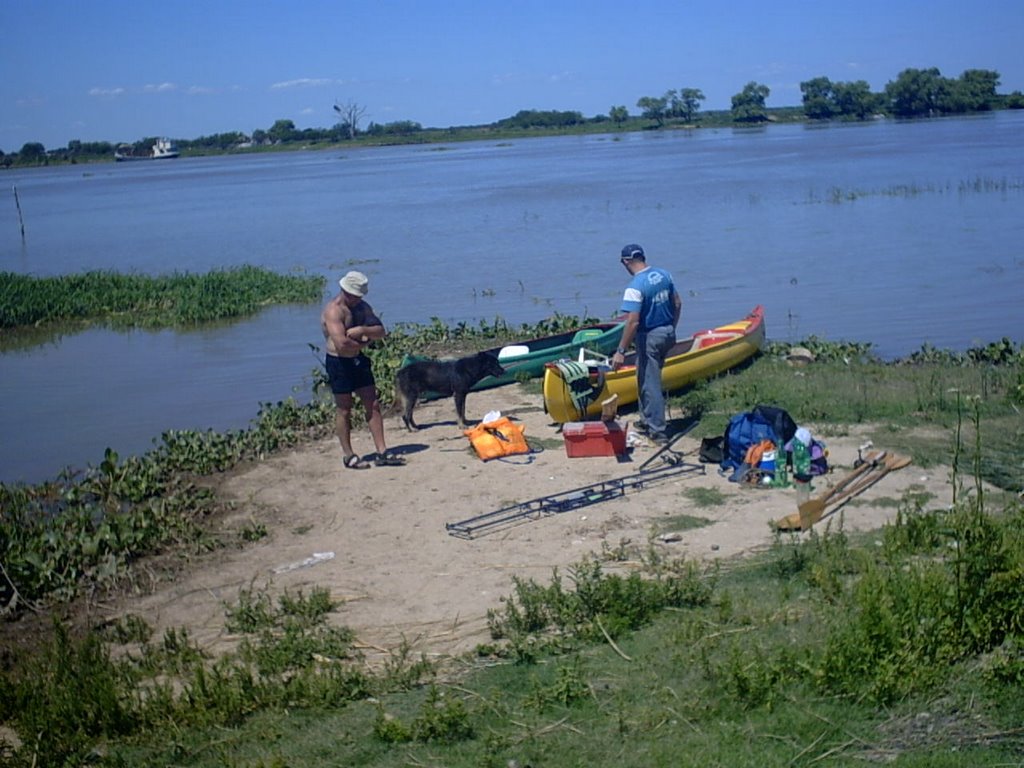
[161,150]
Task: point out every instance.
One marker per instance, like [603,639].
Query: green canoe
[526,359]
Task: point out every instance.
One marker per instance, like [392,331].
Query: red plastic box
[593,438]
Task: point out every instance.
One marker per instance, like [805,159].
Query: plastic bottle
[780,480]
[801,471]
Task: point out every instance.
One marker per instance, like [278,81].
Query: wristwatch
[620,351]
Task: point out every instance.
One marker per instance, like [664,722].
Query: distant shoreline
[716,119]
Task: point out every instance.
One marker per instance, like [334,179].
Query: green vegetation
[173,301]
[914,93]
[81,531]
[925,92]
[748,106]
[905,645]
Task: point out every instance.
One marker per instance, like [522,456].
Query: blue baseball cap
[632,251]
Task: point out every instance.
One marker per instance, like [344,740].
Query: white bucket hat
[355,283]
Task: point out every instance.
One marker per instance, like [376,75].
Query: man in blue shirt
[652,306]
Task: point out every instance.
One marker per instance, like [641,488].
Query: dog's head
[489,364]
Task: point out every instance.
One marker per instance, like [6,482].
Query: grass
[122,301]
[913,406]
[810,654]
[904,646]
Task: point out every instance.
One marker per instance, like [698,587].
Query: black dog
[444,377]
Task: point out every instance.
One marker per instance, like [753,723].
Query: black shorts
[348,374]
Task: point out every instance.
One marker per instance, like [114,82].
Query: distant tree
[32,152]
[218,141]
[917,93]
[1015,100]
[309,135]
[818,98]
[748,106]
[974,91]
[351,113]
[855,100]
[282,131]
[77,148]
[540,118]
[618,114]
[259,136]
[671,103]
[653,108]
[399,128]
[689,103]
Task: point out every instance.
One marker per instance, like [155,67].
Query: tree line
[914,93]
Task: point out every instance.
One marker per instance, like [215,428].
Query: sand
[377,538]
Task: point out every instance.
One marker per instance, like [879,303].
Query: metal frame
[672,465]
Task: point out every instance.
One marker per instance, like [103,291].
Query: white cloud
[106,91]
[303,82]
[161,88]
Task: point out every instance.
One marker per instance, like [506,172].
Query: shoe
[642,428]
[354,462]
[388,459]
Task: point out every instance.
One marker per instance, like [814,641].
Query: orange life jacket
[494,439]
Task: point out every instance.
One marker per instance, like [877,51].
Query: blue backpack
[765,422]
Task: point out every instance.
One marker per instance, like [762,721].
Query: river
[894,233]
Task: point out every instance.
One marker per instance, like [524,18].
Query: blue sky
[121,71]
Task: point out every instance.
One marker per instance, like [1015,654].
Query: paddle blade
[810,512]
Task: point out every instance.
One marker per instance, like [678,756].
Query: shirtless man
[349,324]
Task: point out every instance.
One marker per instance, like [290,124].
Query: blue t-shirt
[650,293]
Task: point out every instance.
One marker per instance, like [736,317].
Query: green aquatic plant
[84,529]
[169,301]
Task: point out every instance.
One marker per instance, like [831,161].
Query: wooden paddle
[892,462]
[812,509]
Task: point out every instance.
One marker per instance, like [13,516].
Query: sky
[109,70]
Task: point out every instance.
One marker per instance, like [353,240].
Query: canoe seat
[586,334]
[591,358]
[702,339]
[513,350]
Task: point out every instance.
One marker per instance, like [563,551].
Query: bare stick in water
[21,221]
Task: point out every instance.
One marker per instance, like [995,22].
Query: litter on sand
[318,557]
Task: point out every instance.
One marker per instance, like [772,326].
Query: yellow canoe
[574,391]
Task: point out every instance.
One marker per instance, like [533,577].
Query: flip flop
[354,462]
[388,459]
